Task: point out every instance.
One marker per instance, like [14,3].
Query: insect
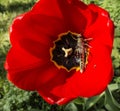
[81,52]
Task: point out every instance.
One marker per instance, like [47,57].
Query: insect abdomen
[80,54]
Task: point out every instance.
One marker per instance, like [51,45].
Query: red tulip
[62,50]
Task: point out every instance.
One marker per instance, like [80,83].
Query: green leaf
[117,32]
[110,103]
[79,101]
[113,87]
[71,107]
[92,101]
[35,110]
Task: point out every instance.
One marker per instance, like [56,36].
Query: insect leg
[88,39]
[88,45]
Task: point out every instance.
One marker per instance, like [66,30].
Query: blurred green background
[14,99]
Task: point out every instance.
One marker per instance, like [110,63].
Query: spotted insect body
[81,52]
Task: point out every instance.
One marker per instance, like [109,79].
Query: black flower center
[70,51]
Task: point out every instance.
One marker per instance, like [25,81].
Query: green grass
[14,99]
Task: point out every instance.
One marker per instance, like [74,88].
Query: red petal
[93,81]
[45,78]
[32,35]
[34,77]
[45,90]
[102,30]
[74,21]
[19,59]
[51,99]
[99,71]
[73,14]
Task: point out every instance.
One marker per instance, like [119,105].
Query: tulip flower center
[70,51]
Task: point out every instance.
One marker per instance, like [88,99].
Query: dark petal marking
[64,51]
